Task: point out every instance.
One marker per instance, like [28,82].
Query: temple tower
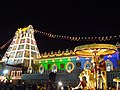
[23,48]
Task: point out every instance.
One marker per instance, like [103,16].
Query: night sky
[63,17]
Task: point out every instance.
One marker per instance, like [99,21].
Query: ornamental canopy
[95,49]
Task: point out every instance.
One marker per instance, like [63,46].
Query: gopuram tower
[23,48]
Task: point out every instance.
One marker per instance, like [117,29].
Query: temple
[66,64]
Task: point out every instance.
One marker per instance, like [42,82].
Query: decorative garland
[86,63]
[54,65]
[108,61]
[70,70]
[41,71]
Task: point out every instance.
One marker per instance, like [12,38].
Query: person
[51,82]
[83,83]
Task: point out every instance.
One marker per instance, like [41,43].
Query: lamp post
[96,50]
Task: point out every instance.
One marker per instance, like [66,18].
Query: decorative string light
[4,45]
[105,38]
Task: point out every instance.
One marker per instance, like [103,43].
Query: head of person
[52,76]
[84,78]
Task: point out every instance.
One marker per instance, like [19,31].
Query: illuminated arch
[54,68]
[87,65]
[70,67]
[41,69]
[109,65]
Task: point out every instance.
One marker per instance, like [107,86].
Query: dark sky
[64,17]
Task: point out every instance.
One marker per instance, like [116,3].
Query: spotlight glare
[60,83]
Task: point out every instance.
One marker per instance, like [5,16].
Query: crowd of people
[11,86]
[50,85]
